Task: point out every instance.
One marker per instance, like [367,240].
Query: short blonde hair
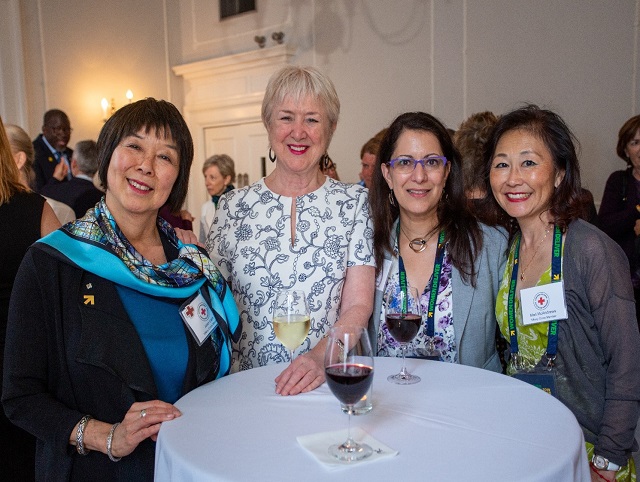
[297,83]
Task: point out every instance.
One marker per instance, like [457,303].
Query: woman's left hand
[306,373]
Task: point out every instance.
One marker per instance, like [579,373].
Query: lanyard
[556,275]
[435,281]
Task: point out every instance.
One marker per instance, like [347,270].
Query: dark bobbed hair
[149,114]
[627,132]
[566,203]
[463,233]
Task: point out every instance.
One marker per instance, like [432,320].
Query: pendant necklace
[534,254]
[418,245]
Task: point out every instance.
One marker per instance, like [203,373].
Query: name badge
[199,317]
[383,275]
[545,381]
[543,303]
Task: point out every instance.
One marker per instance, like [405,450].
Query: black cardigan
[66,357]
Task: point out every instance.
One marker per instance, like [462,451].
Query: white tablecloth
[457,424]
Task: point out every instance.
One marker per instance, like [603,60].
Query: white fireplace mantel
[228,90]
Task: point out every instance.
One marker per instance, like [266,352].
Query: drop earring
[272,156]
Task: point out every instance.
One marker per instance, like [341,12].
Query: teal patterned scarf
[99,228]
[96,244]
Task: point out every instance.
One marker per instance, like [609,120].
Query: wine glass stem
[290,357]
[403,372]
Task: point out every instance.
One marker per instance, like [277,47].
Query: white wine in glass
[291,319]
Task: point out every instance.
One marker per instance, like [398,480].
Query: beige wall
[449,57]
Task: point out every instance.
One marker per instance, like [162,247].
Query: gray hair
[224,163]
[86,155]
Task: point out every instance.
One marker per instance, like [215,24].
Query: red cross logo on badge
[541,301]
[203,313]
[189,311]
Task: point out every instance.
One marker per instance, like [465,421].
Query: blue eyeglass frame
[392,162]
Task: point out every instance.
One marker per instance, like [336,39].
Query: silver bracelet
[80,435]
[109,439]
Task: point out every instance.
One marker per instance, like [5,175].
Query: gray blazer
[474,319]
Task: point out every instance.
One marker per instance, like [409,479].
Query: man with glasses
[52,156]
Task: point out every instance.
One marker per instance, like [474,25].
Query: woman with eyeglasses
[422,230]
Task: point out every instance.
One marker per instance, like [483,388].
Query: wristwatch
[602,463]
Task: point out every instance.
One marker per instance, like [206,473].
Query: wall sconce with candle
[110,107]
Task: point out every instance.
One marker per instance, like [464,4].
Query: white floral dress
[250,242]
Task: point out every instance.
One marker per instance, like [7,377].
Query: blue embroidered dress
[250,241]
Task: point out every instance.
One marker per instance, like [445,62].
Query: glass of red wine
[403,318]
[348,366]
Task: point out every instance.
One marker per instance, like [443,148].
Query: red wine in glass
[349,382]
[403,317]
[348,368]
[403,327]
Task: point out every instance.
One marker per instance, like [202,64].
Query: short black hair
[149,114]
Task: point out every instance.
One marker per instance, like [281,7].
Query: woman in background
[219,174]
[24,217]
[24,155]
[619,214]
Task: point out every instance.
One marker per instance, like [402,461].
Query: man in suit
[53,157]
[80,192]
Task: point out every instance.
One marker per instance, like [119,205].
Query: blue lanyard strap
[435,281]
[556,275]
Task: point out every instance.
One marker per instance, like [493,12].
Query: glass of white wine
[291,319]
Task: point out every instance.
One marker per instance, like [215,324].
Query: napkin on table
[318,445]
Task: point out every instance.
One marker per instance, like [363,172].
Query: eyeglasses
[406,165]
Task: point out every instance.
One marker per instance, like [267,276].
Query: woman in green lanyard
[425,236]
[564,306]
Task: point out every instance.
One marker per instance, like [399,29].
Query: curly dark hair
[462,231]
[567,202]
[148,114]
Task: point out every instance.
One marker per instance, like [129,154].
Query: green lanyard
[556,275]
[435,281]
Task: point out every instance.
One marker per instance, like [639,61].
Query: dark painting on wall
[229,8]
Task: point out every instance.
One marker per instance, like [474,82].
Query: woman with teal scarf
[112,318]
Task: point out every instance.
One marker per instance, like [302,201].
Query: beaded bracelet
[109,439]
[80,435]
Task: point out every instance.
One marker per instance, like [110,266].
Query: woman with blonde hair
[24,155]
[295,229]
[24,218]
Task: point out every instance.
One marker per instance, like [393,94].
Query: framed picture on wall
[229,8]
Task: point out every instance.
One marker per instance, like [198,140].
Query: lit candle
[105,105]
[129,95]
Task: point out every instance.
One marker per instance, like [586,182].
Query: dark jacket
[45,162]
[68,355]
[618,213]
[78,193]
